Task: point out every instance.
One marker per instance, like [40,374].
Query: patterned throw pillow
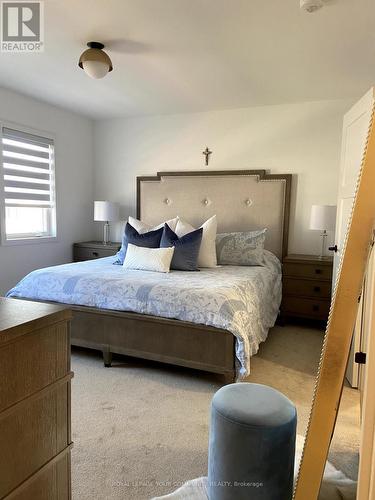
[241,249]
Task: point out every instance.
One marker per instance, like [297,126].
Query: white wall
[302,139]
[74,182]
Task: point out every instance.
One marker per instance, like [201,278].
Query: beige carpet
[141,429]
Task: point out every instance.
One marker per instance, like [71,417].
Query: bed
[211,320]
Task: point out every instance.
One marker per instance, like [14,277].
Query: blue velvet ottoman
[252,444]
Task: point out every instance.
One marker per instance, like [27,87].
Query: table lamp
[106,211]
[323,218]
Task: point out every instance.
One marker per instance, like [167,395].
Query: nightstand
[89,250]
[307,284]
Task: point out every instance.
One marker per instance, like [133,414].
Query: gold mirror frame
[339,331]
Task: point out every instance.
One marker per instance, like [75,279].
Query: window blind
[27,169]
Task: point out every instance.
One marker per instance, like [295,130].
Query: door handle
[333,249]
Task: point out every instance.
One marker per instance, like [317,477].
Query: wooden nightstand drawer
[91,253]
[306,288]
[303,307]
[313,271]
[91,250]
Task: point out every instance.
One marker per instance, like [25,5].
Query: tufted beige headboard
[242,200]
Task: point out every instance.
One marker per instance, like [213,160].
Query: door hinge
[360,358]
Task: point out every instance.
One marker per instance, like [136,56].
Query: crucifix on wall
[207,154]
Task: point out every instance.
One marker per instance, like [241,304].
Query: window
[27,186]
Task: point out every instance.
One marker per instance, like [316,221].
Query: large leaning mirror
[341,351]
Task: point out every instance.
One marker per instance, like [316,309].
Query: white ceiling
[173,56]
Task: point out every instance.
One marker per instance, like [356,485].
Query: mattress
[243,300]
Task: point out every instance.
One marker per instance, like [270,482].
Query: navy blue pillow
[131,235]
[186,248]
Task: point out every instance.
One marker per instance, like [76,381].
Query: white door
[366,473]
[354,135]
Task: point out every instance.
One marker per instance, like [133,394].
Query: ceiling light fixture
[94,61]
[311,5]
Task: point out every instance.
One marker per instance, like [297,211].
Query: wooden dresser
[35,435]
[306,287]
[89,250]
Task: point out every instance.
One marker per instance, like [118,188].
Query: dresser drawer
[81,253]
[315,271]
[307,288]
[49,484]
[32,435]
[21,375]
[309,308]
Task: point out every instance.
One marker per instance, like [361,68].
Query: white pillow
[148,259]
[207,252]
[142,227]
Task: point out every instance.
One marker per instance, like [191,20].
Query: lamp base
[106,240]
[324,242]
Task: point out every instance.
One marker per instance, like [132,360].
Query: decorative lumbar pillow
[186,248]
[131,235]
[148,259]
[207,251]
[241,249]
[142,227]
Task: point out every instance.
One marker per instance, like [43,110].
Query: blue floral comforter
[243,300]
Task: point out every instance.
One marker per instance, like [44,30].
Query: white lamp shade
[106,211]
[323,217]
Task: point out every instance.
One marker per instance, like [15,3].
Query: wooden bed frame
[159,339]
[168,340]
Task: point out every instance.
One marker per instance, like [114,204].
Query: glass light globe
[95,69]
[94,61]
